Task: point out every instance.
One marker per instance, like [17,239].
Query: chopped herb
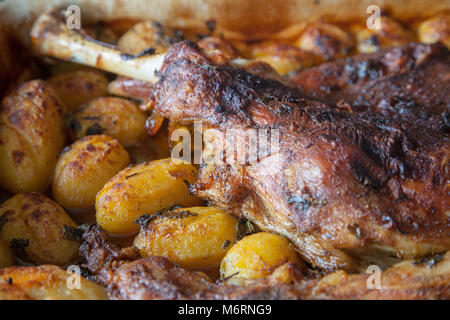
[178,214]
[73,234]
[144,220]
[245,228]
[187,183]
[132,175]
[229,277]
[226,244]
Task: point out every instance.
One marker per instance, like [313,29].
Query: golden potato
[6,256]
[257,256]
[326,40]
[144,35]
[31,137]
[391,34]
[84,168]
[47,283]
[115,117]
[34,227]
[193,238]
[217,43]
[282,57]
[76,87]
[435,29]
[144,189]
[150,34]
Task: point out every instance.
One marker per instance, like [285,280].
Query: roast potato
[77,87]
[144,35]
[193,238]
[31,137]
[435,29]
[115,117]
[34,228]
[144,189]
[391,34]
[216,43]
[83,169]
[284,58]
[46,282]
[257,256]
[326,40]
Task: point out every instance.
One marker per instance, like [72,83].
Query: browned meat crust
[346,187]
[157,278]
[409,82]
[100,252]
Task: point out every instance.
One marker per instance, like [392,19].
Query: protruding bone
[51,36]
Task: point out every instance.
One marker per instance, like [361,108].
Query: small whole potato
[83,169]
[217,43]
[33,225]
[144,35]
[144,189]
[390,34]
[6,256]
[282,57]
[435,29]
[77,87]
[31,137]
[326,40]
[115,117]
[193,238]
[47,283]
[257,256]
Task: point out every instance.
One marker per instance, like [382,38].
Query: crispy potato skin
[257,256]
[46,282]
[391,34]
[36,218]
[115,117]
[6,255]
[435,29]
[326,40]
[84,168]
[77,87]
[144,189]
[31,137]
[193,238]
